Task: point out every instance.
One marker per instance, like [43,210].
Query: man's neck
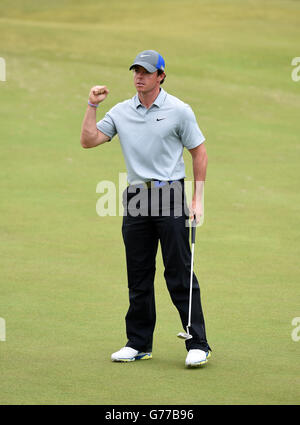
[147,99]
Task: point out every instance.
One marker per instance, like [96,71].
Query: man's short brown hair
[159,72]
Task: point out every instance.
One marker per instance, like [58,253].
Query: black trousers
[142,231]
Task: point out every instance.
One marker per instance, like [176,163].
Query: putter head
[184,335]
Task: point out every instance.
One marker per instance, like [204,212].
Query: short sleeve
[189,131]
[107,125]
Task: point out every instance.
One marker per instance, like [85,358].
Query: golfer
[154,127]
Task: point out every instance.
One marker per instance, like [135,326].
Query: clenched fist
[98,94]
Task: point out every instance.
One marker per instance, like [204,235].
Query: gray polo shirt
[153,139]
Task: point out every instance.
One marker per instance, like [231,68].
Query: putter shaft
[187,335]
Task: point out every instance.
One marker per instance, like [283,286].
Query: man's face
[145,81]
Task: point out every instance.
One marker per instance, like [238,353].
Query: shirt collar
[157,102]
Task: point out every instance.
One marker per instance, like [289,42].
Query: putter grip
[194,223]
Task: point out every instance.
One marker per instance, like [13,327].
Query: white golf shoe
[128,354]
[196,358]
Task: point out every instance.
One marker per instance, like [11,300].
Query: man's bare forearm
[199,170]
[200,160]
[90,135]
[89,128]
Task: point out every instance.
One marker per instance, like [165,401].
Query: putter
[186,335]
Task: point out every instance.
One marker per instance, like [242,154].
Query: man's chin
[140,88]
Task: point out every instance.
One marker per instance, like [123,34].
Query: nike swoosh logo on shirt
[143,56]
[159,119]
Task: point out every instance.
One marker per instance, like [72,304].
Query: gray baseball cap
[150,60]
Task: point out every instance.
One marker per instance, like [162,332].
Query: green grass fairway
[63,284]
